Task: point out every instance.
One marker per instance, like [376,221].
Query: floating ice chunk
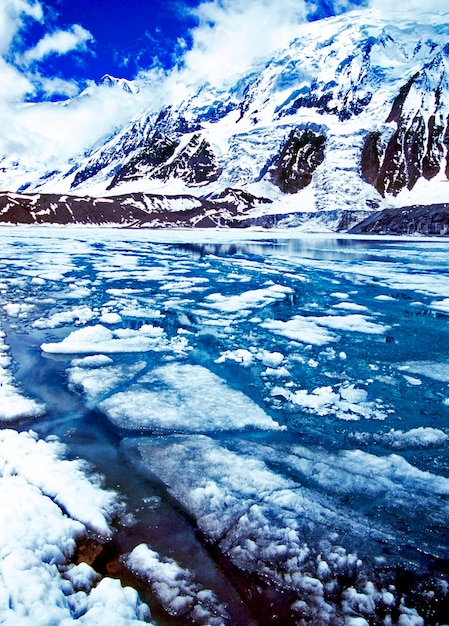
[174,586]
[416,438]
[353,394]
[349,306]
[355,322]
[346,402]
[110,603]
[81,315]
[385,298]
[99,339]
[270,359]
[412,381]
[364,603]
[276,372]
[254,299]
[18,309]
[431,369]
[77,292]
[96,360]
[299,328]
[99,381]
[409,617]
[13,404]
[319,401]
[440,305]
[110,318]
[242,356]
[186,398]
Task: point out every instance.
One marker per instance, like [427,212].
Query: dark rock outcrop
[128,210]
[416,147]
[412,220]
[195,163]
[301,154]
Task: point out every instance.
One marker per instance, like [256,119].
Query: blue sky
[127,36]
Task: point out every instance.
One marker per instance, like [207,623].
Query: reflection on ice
[290,398]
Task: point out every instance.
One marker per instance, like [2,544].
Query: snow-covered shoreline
[204,235]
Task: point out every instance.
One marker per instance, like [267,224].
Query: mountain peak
[111,81]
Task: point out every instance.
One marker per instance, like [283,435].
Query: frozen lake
[273,413]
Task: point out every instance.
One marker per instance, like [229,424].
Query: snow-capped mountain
[352,117]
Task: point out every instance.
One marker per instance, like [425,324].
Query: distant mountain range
[351,119]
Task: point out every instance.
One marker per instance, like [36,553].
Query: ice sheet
[185,398]
[273,524]
[196,339]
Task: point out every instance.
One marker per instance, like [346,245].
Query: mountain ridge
[351,117]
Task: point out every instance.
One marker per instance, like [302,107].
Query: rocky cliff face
[417,147]
[422,220]
[163,158]
[300,155]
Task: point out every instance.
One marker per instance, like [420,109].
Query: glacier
[223,428]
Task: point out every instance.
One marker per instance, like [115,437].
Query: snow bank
[47,503]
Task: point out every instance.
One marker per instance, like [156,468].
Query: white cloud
[408,8]
[231,35]
[15,86]
[43,135]
[60,42]
[13,15]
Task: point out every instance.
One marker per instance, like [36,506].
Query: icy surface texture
[47,504]
[288,401]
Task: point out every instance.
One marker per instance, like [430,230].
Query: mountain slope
[352,116]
